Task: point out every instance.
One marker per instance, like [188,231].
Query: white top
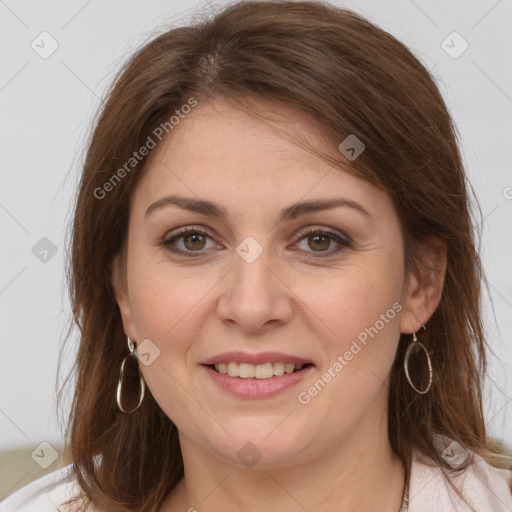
[487,488]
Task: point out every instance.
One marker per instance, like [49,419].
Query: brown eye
[194,241]
[190,242]
[319,242]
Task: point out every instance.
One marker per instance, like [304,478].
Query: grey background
[47,105]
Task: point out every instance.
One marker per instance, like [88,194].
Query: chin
[259,444]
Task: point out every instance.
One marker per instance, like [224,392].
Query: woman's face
[263,277]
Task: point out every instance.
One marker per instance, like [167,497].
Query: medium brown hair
[353,78]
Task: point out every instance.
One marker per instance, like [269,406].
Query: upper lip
[260,358]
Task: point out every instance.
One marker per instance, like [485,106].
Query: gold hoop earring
[412,346]
[130,401]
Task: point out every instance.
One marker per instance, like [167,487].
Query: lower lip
[257,388]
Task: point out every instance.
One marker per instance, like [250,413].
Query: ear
[119,285]
[425,286]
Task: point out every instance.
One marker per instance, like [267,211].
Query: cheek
[163,309]
[363,314]
[165,297]
[353,300]
[356,312]
[168,307]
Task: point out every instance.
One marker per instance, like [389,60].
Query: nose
[255,297]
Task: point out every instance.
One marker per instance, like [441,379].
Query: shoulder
[486,488]
[46,494]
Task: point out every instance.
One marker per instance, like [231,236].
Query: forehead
[224,130]
[220,150]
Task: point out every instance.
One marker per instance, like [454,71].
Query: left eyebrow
[305,207]
[212,209]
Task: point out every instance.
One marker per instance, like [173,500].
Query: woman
[276,281]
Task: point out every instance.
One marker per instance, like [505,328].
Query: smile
[256,371]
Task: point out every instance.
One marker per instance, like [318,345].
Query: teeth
[289,367]
[247,371]
[258,371]
[278,368]
[263,371]
[233,369]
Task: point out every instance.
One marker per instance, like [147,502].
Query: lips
[260,375]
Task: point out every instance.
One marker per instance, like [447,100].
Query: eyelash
[344,243]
